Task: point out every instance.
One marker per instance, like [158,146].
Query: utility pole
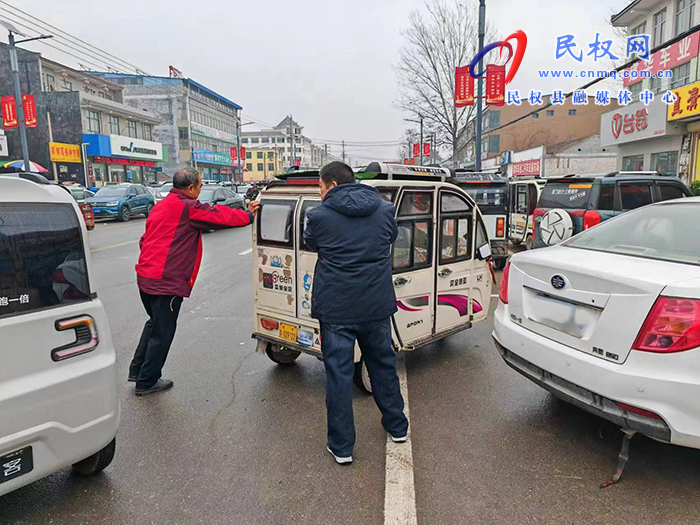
[343,151]
[292,162]
[421,139]
[239,170]
[14,65]
[482,25]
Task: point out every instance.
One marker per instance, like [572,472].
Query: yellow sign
[64,152]
[687,102]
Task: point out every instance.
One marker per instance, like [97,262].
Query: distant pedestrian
[171,251]
[353,299]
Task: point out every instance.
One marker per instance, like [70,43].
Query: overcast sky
[329,64]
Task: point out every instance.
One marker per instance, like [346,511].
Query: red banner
[9,112]
[405,161]
[527,167]
[234,153]
[667,58]
[426,149]
[464,87]
[242,153]
[29,111]
[416,150]
[495,85]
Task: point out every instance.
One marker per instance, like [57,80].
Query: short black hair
[186,177]
[337,171]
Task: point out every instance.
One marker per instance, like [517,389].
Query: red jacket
[171,247]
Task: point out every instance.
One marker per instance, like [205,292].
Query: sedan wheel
[125,214]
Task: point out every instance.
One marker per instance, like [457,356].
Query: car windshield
[111,191]
[488,195]
[207,195]
[667,232]
[567,195]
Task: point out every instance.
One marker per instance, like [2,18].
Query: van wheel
[528,243]
[124,214]
[97,462]
[361,377]
[499,264]
[281,355]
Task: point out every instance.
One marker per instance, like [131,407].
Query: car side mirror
[484,252]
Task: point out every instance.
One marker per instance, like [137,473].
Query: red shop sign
[123,162]
[527,167]
[9,112]
[667,58]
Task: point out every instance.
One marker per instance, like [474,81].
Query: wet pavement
[242,440]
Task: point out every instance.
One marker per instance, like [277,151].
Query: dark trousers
[338,346]
[157,336]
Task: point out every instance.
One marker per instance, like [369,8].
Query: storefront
[213,165]
[646,141]
[67,163]
[115,158]
[686,111]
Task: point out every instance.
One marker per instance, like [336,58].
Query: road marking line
[249,250]
[113,246]
[399,487]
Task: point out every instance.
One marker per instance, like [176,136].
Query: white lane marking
[113,246]
[246,252]
[399,487]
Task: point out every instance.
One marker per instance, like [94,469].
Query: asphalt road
[241,440]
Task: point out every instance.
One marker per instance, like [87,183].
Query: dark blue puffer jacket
[352,231]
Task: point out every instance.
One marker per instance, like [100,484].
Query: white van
[524,194]
[58,390]
[442,277]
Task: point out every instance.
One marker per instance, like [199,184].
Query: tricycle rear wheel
[281,355]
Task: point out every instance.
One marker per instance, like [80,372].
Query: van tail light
[591,218]
[269,324]
[673,325]
[500,227]
[503,290]
[539,212]
[639,411]
[86,339]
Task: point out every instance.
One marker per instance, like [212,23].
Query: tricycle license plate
[288,332]
[16,463]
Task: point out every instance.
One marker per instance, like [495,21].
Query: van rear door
[306,262]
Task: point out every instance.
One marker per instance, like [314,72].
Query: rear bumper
[664,384]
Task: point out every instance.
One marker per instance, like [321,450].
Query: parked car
[490,192]
[226,184]
[79,193]
[610,320]
[153,191]
[219,195]
[572,204]
[121,201]
[58,378]
[163,191]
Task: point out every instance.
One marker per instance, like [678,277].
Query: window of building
[633,163]
[254,140]
[494,143]
[261,166]
[550,112]
[665,163]
[280,140]
[131,129]
[494,118]
[641,29]
[248,155]
[658,28]
[100,94]
[656,85]
[259,155]
[50,83]
[244,140]
[249,167]
[685,15]
[572,112]
[298,150]
[182,133]
[93,121]
[270,167]
[113,125]
[536,115]
[681,75]
[265,139]
[147,132]
[635,89]
[67,86]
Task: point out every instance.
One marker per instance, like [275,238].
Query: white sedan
[610,320]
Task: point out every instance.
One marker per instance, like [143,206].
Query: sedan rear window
[42,258]
[569,196]
[666,232]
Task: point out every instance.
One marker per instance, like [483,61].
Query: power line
[76,39]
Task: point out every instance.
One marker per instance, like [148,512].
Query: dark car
[218,195]
[121,201]
[575,203]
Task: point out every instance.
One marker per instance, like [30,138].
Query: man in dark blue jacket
[353,299]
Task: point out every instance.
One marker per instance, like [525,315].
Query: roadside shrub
[695,187]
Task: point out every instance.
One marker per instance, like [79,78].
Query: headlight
[115,203]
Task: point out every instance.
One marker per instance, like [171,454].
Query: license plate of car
[288,332]
[96,210]
[16,463]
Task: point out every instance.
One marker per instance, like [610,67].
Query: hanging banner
[242,152]
[495,85]
[9,112]
[426,149]
[234,153]
[464,87]
[29,111]
[416,150]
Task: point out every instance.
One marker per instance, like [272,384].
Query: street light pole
[482,24]
[421,139]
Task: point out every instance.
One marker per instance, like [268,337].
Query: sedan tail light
[500,227]
[673,325]
[591,218]
[539,212]
[503,290]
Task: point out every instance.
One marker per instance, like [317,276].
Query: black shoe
[161,384]
[132,379]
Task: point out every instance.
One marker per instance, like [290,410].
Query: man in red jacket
[171,251]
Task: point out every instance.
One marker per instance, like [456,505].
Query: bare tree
[410,137]
[435,44]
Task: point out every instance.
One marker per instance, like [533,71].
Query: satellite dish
[12,29]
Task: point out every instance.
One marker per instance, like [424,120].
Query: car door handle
[444,272]
[401,281]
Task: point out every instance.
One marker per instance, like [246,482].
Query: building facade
[263,163]
[667,139]
[85,132]
[197,124]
